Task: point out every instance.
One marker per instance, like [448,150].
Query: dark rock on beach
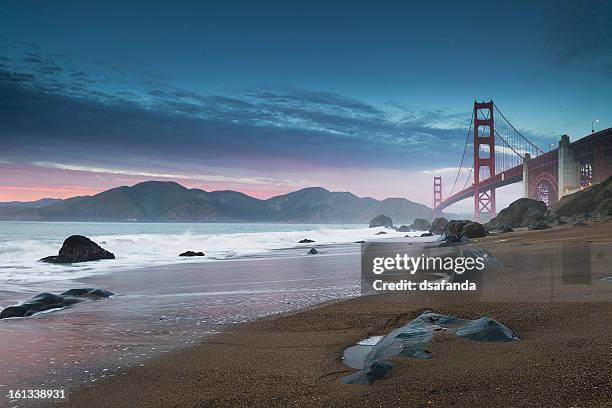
[538,226]
[192,253]
[305,241]
[404,228]
[78,248]
[521,213]
[473,230]
[378,370]
[313,251]
[381,233]
[455,227]
[381,221]
[427,234]
[438,226]
[49,301]
[415,338]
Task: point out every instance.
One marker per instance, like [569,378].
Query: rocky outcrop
[49,301]
[438,226]
[381,221]
[313,251]
[420,224]
[592,202]
[521,213]
[473,230]
[78,248]
[305,241]
[192,253]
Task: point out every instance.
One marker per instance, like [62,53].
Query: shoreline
[294,359]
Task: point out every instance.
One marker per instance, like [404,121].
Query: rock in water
[78,248]
[381,233]
[313,251]
[473,230]
[438,226]
[192,253]
[420,224]
[306,241]
[521,213]
[381,221]
[427,234]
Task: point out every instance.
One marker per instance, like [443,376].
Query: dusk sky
[269,97]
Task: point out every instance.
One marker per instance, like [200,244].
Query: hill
[158,201]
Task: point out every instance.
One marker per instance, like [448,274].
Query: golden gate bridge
[501,155]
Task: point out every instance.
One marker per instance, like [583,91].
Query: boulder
[521,213]
[404,228]
[426,234]
[305,241]
[473,230]
[438,226]
[455,227]
[381,233]
[538,226]
[47,301]
[378,370]
[313,251]
[192,253]
[420,224]
[506,228]
[78,248]
[381,221]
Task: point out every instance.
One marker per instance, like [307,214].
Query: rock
[455,227]
[579,223]
[415,339]
[438,226]
[506,228]
[404,228]
[473,230]
[192,253]
[538,226]
[313,251]
[381,233]
[381,221]
[594,200]
[486,329]
[305,241]
[47,301]
[360,242]
[378,370]
[420,224]
[427,234]
[448,241]
[89,293]
[78,248]
[521,213]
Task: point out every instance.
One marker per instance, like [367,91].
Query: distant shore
[562,359]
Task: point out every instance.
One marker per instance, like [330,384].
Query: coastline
[294,359]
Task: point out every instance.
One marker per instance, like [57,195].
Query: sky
[270,97]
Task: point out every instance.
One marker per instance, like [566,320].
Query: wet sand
[564,357]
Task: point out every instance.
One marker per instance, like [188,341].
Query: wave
[19,257]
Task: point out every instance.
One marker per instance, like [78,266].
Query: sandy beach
[563,358]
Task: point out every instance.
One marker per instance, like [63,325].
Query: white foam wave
[19,258]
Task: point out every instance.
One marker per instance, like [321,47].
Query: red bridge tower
[484,158]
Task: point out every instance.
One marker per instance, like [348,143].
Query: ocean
[136,245]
